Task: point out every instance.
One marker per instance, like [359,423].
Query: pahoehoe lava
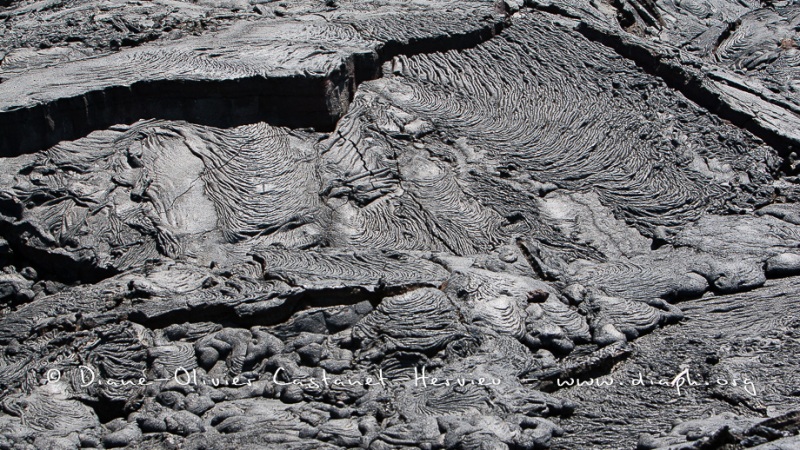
[434,224]
[279,79]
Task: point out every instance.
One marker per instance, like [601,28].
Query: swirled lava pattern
[385,225]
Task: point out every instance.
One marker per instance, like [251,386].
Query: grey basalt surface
[233,224]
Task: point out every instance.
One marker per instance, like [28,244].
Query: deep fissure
[297,101]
